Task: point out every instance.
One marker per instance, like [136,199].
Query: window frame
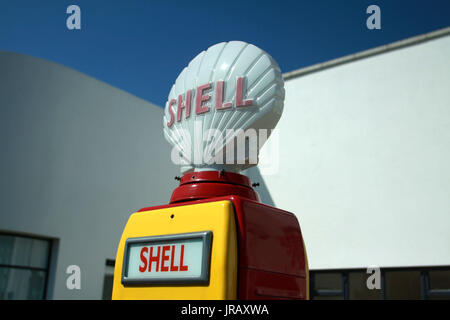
[425,289]
[45,269]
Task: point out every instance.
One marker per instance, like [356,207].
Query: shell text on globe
[201,99]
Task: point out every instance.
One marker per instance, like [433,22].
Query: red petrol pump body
[272,262]
[215,239]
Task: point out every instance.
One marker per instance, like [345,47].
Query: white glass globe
[225,97]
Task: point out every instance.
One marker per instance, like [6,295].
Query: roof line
[367,53]
[66,67]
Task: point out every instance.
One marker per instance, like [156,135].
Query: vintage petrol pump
[215,239]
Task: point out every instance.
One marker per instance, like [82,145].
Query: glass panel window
[21,284]
[328,281]
[39,252]
[439,279]
[439,285]
[108,280]
[405,285]
[6,246]
[327,286]
[358,287]
[23,267]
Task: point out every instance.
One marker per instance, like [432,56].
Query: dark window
[437,283]
[24,265]
[403,285]
[439,279]
[358,287]
[108,279]
[395,283]
[328,286]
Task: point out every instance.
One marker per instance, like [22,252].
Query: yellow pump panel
[217,217]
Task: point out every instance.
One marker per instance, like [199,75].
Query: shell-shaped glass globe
[223,107]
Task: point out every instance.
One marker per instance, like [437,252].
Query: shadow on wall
[256,177]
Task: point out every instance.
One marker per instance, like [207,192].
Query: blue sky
[141,46]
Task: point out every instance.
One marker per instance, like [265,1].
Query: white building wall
[78,157]
[364,159]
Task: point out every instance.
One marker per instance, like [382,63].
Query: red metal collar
[210,184]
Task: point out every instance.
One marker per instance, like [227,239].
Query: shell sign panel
[180,258]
